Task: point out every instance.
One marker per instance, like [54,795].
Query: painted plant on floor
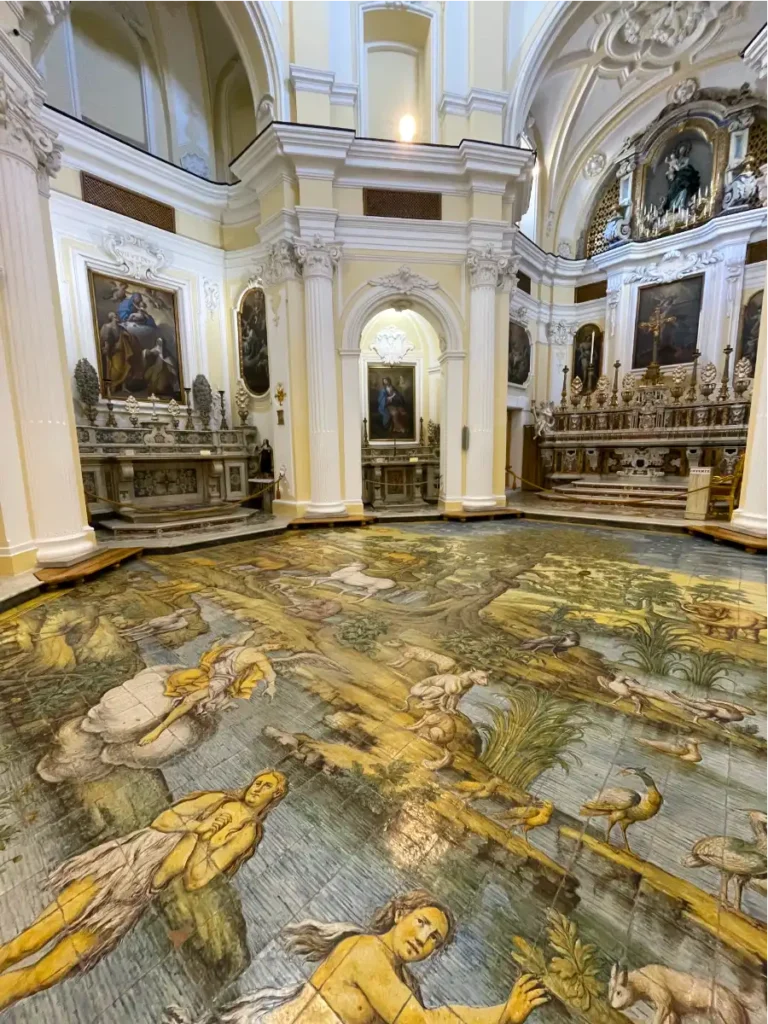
[424,773]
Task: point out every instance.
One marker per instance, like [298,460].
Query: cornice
[306,79]
[344,94]
[755,54]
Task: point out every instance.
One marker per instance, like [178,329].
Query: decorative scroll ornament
[392,345]
[595,165]
[280,265]
[134,256]
[684,91]
[211,296]
[316,257]
[487,267]
[673,265]
[519,315]
[560,333]
[646,34]
[22,128]
[88,390]
[404,281]
[203,396]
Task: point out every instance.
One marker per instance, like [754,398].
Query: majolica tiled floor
[339,776]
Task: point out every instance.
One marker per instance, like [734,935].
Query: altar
[401,475]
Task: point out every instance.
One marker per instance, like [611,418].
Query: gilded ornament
[242,402]
[707,380]
[132,408]
[203,396]
[88,390]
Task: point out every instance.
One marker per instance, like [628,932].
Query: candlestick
[223,425]
[189,423]
[564,393]
[592,350]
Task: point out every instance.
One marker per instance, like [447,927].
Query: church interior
[383,511]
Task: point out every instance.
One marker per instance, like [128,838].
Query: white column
[318,260]
[350,396]
[751,513]
[38,374]
[485,268]
[452,364]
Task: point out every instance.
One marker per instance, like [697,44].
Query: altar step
[181,523]
[646,495]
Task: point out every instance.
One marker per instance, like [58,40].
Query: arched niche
[587,351]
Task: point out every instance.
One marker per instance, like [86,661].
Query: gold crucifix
[656,324]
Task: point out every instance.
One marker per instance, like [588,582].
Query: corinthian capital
[487,267]
[22,131]
[317,258]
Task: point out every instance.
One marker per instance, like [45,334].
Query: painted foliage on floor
[490,771]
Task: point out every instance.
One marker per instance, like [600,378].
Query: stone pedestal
[41,451]
[485,267]
[697,502]
[750,516]
[318,261]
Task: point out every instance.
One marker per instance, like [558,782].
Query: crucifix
[656,324]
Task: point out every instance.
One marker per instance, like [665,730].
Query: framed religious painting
[391,402]
[587,352]
[518,354]
[137,338]
[667,322]
[750,330]
[252,341]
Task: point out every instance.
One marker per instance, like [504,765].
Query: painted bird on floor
[529,817]
[736,859]
[624,807]
[556,643]
[686,748]
[624,688]
[471,790]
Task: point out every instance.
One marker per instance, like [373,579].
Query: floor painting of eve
[420,773]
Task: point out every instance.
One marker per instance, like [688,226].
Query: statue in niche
[684,180]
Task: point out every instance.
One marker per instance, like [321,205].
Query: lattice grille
[523,283]
[587,292]
[102,193]
[382,202]
[758,142]
[606,204]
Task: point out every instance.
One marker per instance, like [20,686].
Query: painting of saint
[587,351]
[519,354]
[137,336]
[750,330]
[670,314]
[391,402]
[252,341]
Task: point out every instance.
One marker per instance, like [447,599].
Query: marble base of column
[321,511]
[749,522]
[60,552]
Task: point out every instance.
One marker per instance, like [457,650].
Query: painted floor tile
[502,771]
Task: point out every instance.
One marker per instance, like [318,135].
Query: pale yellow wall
[201,229]
[393,91]
[238,236]
[349,201]
[68,182]
[455,207]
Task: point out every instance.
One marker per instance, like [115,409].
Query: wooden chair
[724,491]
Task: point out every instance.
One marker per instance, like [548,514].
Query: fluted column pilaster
[318,261]
[486,269]
[30,321]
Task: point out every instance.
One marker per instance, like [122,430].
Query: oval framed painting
[518,354]
[252,341]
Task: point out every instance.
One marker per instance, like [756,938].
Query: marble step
[210,521]
[595,498]
[620,492]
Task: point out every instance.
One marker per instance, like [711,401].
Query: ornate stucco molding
[280,265]
[316,257]
[403,281]
[22,131]
[674,265]
[488,267]
[134,256]
[560,332]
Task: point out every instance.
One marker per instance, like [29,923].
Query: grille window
[102,193]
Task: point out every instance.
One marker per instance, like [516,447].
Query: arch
[227,147]
[438,310]
[430,302]
[257,36]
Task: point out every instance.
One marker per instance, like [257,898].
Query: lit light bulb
[407,128]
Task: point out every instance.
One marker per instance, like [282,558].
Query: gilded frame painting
[252,342]
[392,402]
[137,338]
[677,308]
[749,330]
